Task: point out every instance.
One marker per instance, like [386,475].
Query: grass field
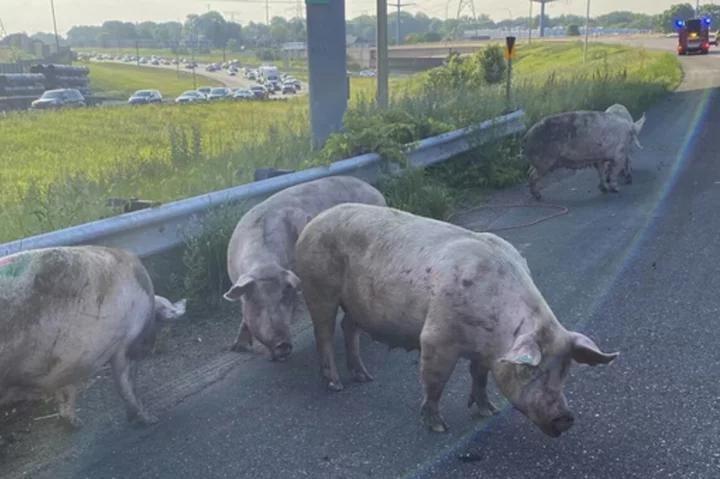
[58,169]
[117,79]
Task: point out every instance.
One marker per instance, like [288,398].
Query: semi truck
[693,36]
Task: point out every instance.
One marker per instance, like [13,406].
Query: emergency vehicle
[693,36]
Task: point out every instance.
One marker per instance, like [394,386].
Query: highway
[635,271]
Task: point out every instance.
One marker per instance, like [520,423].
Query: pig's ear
[585,351]
[167,310]
[525,350]
[239,288]
[292,279]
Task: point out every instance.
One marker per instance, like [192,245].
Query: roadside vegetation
[59,169]
[120,80]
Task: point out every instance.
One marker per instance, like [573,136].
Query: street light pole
[381,55]
[530,24]
[587,31]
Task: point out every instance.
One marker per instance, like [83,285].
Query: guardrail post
[509,56]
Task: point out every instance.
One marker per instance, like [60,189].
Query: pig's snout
[282,350]
[560,424]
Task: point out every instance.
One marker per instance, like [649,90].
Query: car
[155,62]
[61,98]
[232,72]
[219,93]
[367,73]
[288,87]
[244,94]
[143,60]
[294,81]
[259,91]
[190,96]
[145,97]
[205,90]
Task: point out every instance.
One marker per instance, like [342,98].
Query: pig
[260,257]
[448,292]
[68,311]
[621,111]
[581,139]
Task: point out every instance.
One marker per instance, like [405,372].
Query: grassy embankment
[57,169]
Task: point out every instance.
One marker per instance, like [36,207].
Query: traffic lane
[654,413]
[268,419]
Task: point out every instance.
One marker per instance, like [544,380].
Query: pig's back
[60,299]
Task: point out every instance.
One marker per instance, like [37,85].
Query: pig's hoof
[628,179]
[602,188]
[433,420]
[70,423]
[143,418]
[614,189]
[334,386]
[485,408]
[536,195]
[363,377]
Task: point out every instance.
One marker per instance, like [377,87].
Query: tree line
[212,31]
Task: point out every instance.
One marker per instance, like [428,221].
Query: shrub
[493,64]
[572,31]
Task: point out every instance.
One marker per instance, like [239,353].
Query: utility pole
[381,57]
[530,24]
[267,12]
[57,38]
[137,52]
[587,31]
[399,5]
[697,8]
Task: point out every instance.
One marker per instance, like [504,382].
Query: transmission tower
[232,15]
[463,4]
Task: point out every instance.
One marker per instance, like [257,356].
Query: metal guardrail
[152,231]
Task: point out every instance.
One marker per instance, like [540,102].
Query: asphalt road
[635,271]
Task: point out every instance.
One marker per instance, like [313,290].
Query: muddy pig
[65,312]
[622,112]
[419,283]
[581,139]
[260,257]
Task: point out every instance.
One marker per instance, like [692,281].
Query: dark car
[260,91]
[288,87]
[63,98]
[145,97]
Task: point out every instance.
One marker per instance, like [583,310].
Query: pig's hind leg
[352,348]
[437,361]
[478,394]
[65,398]
[125,375]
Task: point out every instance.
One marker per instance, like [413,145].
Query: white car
[243,94]
[190,96]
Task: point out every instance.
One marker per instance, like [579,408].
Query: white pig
[452,293]
[261,257]
[65,312]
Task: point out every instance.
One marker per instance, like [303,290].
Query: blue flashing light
[708,20]
[679,23]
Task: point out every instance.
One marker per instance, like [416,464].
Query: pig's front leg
[437,361]
[478,394]
[323,313]
[244,339]
[601,168]
[352,348]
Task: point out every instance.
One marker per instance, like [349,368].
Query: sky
[31,16]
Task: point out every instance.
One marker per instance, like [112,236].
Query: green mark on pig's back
[14,267]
